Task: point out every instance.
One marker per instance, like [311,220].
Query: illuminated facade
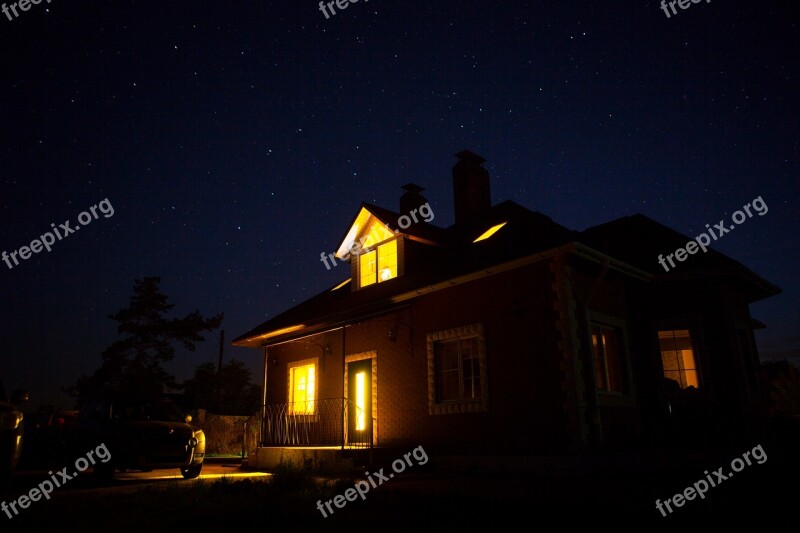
[507,331]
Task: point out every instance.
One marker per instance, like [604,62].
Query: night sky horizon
[235,142]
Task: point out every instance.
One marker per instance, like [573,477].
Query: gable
[366,230]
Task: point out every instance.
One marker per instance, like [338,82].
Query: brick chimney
[411,199]
[471,193]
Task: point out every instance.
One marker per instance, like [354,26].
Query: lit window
[361,402]
[366,268]
[489,232]
[378,265]
[302,388]
[607,358]
[677,356]
[387,260]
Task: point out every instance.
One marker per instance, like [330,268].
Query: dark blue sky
[235,141]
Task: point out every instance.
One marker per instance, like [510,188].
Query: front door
[359,405]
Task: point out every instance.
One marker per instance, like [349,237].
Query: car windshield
[159,410]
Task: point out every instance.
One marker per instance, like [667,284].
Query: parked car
[47,433]
[140,434]
[11,431]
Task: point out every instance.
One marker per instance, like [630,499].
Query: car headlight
[192,442]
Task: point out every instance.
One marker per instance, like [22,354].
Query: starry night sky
[235,141]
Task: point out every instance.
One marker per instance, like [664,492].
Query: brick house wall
[525,394]
[541,391]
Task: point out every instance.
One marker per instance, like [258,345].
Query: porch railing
[326,422]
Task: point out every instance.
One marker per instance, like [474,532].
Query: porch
[330,434]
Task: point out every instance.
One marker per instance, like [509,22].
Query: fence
[226,434]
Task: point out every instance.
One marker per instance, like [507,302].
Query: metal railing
[327,422]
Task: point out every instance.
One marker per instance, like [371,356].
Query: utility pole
[221,347]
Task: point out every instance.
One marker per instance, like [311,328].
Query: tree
[134,364]
[228,391]
[782,381]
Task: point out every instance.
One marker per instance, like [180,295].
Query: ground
[620,491]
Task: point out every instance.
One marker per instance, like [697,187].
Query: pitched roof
[451,252]
[639,240]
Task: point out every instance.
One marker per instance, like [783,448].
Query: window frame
[619,325]
[374,250]
[290,367]
[352,358]
[462,405]
[693,340]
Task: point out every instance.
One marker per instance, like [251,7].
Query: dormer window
[374,250]
[378,264]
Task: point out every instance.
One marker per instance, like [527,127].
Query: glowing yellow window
[677,357]
[302,384]
[489,232]
[361,398]
[367,268]
[378,265]
[387,260]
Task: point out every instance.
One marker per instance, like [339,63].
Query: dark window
[606,349]
[458,372]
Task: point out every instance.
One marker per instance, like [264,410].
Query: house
[509,333]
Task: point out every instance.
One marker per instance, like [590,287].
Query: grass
[417,499]
[290,497]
